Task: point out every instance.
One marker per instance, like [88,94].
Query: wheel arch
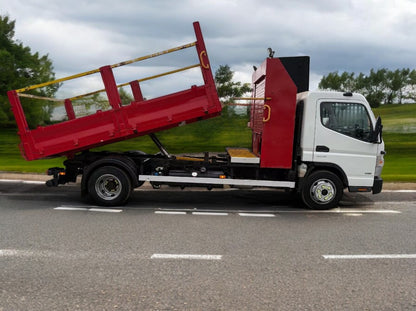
[331,167]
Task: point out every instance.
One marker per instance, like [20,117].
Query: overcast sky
[338,35]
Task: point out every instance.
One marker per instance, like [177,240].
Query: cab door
[342,137]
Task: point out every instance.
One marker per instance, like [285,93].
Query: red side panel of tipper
[273,115]
[139,118]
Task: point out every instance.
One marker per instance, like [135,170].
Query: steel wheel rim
[323,191]
[108,187]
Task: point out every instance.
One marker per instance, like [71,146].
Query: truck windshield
[350,119]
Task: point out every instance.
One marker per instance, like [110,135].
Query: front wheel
[109,186]
[322,190]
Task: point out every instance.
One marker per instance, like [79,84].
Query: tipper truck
[314,144]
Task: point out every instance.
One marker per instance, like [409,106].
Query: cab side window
[350,119]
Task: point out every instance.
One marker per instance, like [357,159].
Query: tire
[322,190]
[109,186]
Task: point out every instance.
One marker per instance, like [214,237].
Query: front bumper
[376,188]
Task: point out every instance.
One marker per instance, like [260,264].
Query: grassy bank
[400,160]
[216,134]
[399,133]
[398,118]
[11,159]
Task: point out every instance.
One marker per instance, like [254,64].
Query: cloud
[349,35]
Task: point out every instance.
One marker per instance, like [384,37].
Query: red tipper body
[139,118]
[273,118]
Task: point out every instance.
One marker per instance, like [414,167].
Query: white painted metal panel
[218,181]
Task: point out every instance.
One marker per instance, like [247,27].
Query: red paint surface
[273,140]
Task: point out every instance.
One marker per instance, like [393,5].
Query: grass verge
[400,160]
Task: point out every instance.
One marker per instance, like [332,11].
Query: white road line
[67,208]
[394,202]
[209,214]
[87,209]
[369,211]
[343,211]
[79,206]
[67,255]
[9,252]
[256,215]
[34,182]
[105,210]
[23,253]
[406,191]
[381,256]
[186,256]
[170,212]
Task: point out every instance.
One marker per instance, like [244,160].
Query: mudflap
[377,185]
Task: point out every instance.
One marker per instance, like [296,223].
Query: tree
[228,89]
[20,68]
[379,86]
[397,81]
[125,97]
[374,86]
[412,86]
[335,81]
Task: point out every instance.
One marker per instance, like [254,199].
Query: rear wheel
[322,190]
[109,186]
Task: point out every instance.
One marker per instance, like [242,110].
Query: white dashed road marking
[344,211]
[380,256]
[88,209]
[256,215]
[210,213]
[68,208]
[170,213]
[105,210]
[406,191]
[31,182]
[186,256]
[264,214]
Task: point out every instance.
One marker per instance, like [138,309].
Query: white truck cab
[341,134]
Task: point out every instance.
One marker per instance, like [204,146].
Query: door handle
[322,149]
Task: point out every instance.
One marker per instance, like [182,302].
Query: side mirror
[376,135]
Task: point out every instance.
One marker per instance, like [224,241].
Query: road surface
[200,250]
